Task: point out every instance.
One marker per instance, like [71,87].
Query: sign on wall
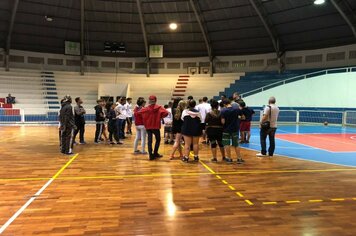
[72,48]
[156,51]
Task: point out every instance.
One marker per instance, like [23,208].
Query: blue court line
[304,152]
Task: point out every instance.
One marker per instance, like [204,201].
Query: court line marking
[217,174]
[301,159]
[309,201]
[37,194]
[226,183]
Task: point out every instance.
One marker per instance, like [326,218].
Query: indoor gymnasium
[178,117]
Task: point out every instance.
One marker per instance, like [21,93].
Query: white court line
[37,194]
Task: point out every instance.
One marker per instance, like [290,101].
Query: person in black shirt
[99,119]
[245,124]
[214,130]
[111,116]
[67,125]
[177,110]
[79,119]
[191,130]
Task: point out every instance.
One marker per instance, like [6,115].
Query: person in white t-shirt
[129,115]
[270,114]
[121,113]
[203,108]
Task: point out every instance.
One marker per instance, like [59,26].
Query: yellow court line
[65,166]
[269,203]
[337,199]
[284,171]
[224,181]
[232,188]
[218,176]
[239,194]
[293,201]
[207,167]
[316,200]
[249,202]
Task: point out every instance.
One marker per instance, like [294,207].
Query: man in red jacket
[152,115]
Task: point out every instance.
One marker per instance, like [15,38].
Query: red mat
[328,142]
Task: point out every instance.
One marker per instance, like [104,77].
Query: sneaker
[261,155]
[185,159]
[144,152]
[247,141]
[171,142]
[112,143]
[196,158]
[137,152]
[214,160]
[166,142]
[240,161]
[69,153]
[75,143]
[82,143]
[97,142]
[120,142]
[227,160]
[157,155]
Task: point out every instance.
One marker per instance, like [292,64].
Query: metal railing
[299,77]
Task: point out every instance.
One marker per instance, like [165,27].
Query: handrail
[305,76]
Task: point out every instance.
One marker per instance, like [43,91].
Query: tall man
[152,116]
[204,108]
[67,126]
[270,114]
[79,119]
[99,120]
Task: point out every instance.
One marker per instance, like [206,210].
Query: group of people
[223,124]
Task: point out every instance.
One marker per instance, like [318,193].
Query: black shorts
[202,126]
[214,134]
[168,129]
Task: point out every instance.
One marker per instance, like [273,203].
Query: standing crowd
[223,124]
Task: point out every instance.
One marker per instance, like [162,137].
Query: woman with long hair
[191,130]
[214,130]
[177,110]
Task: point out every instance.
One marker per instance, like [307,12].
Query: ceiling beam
[196,9]
[8,38]
[82,39]
[344,16]
[143,27]
[269,28]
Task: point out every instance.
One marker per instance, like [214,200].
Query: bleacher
[254,80]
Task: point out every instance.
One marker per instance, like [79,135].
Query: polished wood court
[107,190]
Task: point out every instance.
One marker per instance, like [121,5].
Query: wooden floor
[106,190]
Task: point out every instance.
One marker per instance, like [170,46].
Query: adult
[214,130]
[177,110]
[67,125]
[191,130]
[152,116]
[236,100]
[79,119]
[204,108]
[245,124]
[229,118]
[112,128]
[270,114]
[129,115]
[140,128]
[99,120]
[10,99]
[120,110]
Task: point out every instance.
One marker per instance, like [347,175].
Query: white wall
[332,90]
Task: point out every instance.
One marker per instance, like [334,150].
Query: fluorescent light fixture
[319,2]
[173,26]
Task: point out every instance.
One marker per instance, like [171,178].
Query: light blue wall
[332,90]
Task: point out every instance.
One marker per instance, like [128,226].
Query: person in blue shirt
[230,139]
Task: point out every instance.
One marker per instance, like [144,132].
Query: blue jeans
[120,123]
[271,132]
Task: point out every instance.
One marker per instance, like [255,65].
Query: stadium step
[181,86]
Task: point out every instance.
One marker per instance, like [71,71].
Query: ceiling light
[49,18]
[319,2]
[173,26]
